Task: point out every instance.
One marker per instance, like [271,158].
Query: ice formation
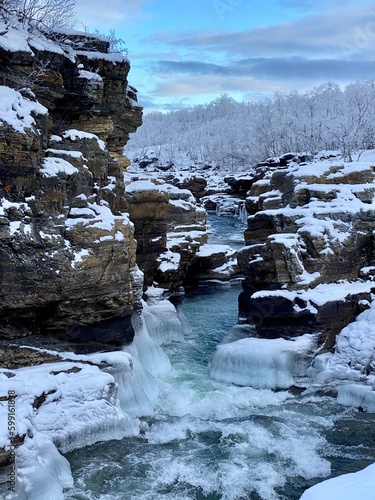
[42,472]
[352,364]
[163,322]
[263,363]
[147,350]
[70,404]
[359,396]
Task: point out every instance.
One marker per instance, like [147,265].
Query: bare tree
[116,44]
[46,14]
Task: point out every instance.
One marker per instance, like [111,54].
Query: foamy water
[209,439]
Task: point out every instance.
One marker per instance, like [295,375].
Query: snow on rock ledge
[214,262]
[17,111]
[263,363]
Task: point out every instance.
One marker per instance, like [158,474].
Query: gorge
[119,313]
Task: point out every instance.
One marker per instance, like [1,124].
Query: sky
[188,52]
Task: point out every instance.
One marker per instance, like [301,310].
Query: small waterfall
[146,349]
[243,215]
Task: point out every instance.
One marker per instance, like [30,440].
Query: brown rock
[67,252]
[304,229]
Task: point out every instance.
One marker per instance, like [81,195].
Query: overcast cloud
[329,34]
[104,15]
[277,68]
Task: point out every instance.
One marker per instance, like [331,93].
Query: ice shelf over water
[62,406]
[263,363]
[82,400]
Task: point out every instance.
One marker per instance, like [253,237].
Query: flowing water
[211,440]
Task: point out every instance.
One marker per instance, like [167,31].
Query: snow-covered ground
[353,486]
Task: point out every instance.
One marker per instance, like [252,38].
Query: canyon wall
[309,256]
[67,247]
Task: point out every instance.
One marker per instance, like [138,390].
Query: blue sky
[186,52]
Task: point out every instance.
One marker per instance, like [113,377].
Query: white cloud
[103,16]
[171,86]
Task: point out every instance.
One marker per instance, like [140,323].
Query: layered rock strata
[170,227]
[309,224]
[214,262]
[67,247]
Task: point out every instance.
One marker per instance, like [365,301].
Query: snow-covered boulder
[346,487]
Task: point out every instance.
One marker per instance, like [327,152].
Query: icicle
[150,354]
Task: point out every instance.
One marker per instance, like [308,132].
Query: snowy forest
[234,135]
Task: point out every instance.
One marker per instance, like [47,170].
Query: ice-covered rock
[66,405]
[354,354]
[43,473]
[359,396]
[352,364]
[263,363]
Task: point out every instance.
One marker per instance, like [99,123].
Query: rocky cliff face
[67,247]
[309,252]
[170,227]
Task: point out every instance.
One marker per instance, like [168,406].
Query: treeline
[235,134]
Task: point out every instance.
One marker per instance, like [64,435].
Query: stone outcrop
[214,262]
[78,81]
[196,184]
[67,247]
[309,224]
[170,227]
[148,206]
